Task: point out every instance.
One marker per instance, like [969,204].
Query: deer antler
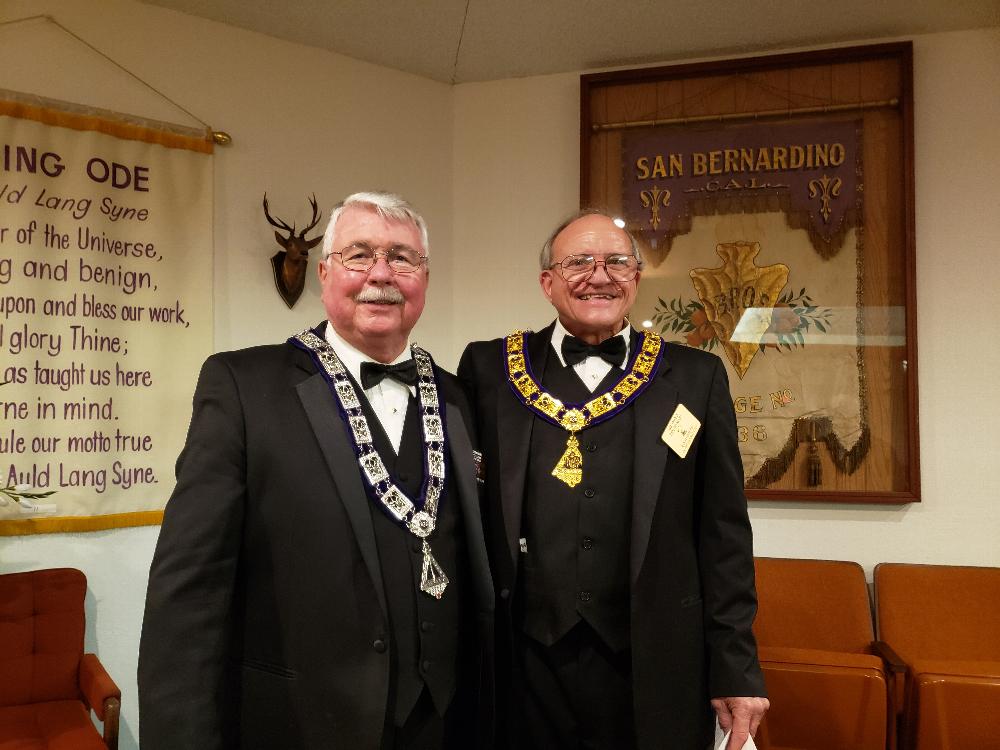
[315,216]
[276,223]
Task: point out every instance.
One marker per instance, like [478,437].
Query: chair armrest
[102,695]
[112,709]
[893,660]
[96,685]
[897,670]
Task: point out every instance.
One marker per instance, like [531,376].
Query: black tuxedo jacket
[691,559]
[266,623]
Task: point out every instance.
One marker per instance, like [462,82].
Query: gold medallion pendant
[576,417]
[569,469]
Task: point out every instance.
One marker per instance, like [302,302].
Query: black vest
[425,632]
[577,561]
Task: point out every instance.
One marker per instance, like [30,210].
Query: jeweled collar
[574,417]
[418,517]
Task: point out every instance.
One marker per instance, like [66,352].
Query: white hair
[387,205]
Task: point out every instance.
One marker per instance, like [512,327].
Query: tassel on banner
[814,467]
[813,430]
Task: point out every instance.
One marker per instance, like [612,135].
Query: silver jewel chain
[421,523]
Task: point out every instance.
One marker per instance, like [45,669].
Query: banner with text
[808,170]
[105,312]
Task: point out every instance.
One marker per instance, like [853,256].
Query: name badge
[681,430]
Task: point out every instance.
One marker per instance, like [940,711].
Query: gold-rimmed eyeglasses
[577,268]
[363,257]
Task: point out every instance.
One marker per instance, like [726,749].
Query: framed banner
[772,198]
[105,311]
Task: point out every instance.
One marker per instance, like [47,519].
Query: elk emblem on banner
[290,263]
[739,299]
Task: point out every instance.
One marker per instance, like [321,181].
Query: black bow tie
[373,373]
[611,350]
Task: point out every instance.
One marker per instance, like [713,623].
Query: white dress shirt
[591,370]
[389,398]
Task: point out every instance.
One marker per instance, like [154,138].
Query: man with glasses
[320,579]
[616,519]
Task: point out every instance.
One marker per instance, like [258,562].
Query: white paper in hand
[722,739]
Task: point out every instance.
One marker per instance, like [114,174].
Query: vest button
[587,543]
[379,646]
[589,492]
[426,627]
[403,476]
[504,593]
[418,547]
[425,666]
[591,447]
[584,596]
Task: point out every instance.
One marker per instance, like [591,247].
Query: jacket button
[418,547]
[403,477]
[426,626]
[584,596]
[426,665]
[379,646]
[504,593]
[589,492]
[591,446]
[587,543]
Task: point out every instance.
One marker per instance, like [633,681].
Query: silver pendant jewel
[433,581]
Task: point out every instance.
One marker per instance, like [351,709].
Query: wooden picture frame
[850,430]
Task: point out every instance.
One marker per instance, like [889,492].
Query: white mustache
[381,295]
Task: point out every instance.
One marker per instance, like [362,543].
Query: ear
[313,242]
[280,238]
[545,280]
[322,271]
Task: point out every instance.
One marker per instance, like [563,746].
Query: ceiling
[457,41]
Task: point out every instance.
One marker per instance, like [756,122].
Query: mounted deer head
[290,263]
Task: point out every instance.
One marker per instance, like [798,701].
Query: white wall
[493,166]
[517,173]
[302,120]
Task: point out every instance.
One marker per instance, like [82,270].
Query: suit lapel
[343,465]
[462,464]
[514,423]
[652,410]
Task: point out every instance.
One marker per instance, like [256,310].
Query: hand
[742,716]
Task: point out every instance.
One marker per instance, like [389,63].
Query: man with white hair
[320,579]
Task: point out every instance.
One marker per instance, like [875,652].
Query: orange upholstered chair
[944,622]
[47,684]
[829,690]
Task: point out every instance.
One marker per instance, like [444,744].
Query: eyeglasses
[363,257]
[576,268]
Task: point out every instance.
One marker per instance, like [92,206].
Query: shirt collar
[560,332]
[353,357]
